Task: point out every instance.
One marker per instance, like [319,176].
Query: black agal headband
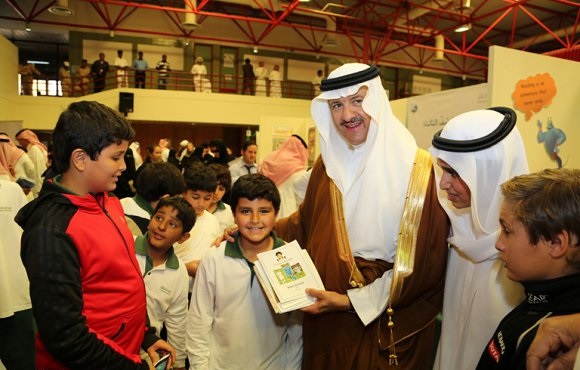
[474,145]
[349,80]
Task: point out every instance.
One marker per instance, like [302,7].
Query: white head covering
[476,229]
[372,177]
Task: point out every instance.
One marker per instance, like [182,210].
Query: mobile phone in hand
[162,363]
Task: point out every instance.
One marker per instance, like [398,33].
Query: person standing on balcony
[141,67]
[261,76]
[249,78]
[121,67]
[276,82]
[65,79]
[199,72]
[99,71]
[27,72]
[316,81]
[83,73]
[163,67]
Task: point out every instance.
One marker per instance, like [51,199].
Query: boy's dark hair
[255,186]
[185,212]
[89,126]
[220,146]
[157,179]
[546,203]
[199,176]
[222,174]
[247,144]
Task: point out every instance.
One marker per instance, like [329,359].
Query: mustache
[352,120]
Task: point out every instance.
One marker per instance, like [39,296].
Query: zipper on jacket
[106,212]
[119,331]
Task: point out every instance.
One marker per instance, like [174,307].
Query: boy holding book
[230,322]
[540,246]
[165,276]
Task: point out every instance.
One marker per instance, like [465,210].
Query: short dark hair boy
[154,181]
[255,186]
[222,174]
[185,213]
[225,275]
[199,176]
[540,246]
[70,233]
[219,205]
[165,276]
[88,125]
[200,185]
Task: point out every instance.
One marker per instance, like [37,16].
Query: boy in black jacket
[88,296]
[540,246]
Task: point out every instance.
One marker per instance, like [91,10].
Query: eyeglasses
[214,150]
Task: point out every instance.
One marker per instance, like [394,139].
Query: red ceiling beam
[541,24]
[283,16]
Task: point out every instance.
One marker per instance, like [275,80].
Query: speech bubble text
[534,93]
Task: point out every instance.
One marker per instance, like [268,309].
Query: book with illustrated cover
[284,274]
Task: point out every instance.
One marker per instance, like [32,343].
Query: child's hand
[162,347]
[229,235]
[327,301]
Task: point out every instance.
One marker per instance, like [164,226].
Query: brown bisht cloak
[339,340]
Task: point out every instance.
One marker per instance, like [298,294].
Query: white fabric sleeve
[201,316]
[577,362]
[186,250]
[371,300]
[25,168]
[294,341]
[176,319]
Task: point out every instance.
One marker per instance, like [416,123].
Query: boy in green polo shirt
[230,322]
[165,276]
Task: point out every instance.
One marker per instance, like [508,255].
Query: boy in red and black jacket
[86,287]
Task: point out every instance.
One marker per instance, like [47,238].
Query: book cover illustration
[285,273]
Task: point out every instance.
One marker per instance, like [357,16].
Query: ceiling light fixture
[38,62]
[27,27]
[190,21]
[61,8]
[112,33]
[463,27]
[255,50]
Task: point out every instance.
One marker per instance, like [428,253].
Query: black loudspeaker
[125,102]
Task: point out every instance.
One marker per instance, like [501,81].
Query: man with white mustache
[356,224]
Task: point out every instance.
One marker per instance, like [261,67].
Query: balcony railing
[177,80]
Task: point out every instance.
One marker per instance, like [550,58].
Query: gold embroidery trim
[407,242]
[356,279]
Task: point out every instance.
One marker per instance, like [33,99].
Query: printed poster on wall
[427,114]
[534,96]
[279,135]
